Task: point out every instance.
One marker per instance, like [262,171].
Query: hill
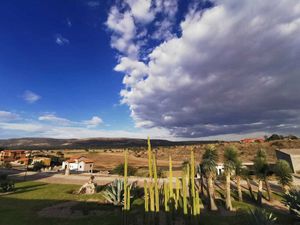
[90,143]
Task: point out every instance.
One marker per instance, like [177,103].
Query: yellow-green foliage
[166,197]
[171,194]
[177,193]
[149,158]
[151,197]
[125,182]
[146,196]
[156,191]
[184,194]
[192,182]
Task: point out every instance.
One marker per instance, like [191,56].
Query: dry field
[107,159]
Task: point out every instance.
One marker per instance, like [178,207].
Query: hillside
[91,143]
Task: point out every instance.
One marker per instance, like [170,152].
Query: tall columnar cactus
[184,194]
[171,194]
[151,191]
[125,182]
[146,196]
[156,191]
[128,197]
[192,183]
[177,196]
[149,158]
[166,197]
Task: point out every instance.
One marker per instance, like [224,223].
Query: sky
[173,69]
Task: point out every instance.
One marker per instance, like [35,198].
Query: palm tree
[283,173]
[230,161]
[261,169]
[238,175]
[209,163]
[245,173]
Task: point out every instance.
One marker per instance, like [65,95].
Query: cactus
[166,197]
[177,193]
[149,158]
[151,191]
[171,194]
[156,191]
[192,184]
[128,197]
[146,196]
[125,181]
[184,194]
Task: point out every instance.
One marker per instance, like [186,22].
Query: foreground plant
[261,217]
[292,200]
[114,192]
[209,163]
[230,163]
[283,173]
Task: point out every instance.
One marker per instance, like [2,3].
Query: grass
[23,206]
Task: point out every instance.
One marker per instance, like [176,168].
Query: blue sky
[75,80]
[165,68]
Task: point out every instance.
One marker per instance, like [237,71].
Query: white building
[80,163]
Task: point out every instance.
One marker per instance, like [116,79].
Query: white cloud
[124,31]
[93,4]
[8,116]
[93,122]
[54,119]
[31,97]
[69,23]
[141,10]
[234,69]
[60,40]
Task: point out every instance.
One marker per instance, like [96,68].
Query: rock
[88,188]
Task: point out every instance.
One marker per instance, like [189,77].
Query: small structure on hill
[88,188]
[252,140]
[81,164]
[292,156]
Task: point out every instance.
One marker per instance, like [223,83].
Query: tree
[238,175]
[261,170]
[119,169]
[283,173]
[245,173]
[230,162]
[209,163]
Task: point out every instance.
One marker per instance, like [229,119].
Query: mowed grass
[23,206]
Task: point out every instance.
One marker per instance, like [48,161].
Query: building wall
[296,163]
[283,156]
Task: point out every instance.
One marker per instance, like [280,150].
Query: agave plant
[292,200]
[261,217]
[114,192]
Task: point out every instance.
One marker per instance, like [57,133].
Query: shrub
[261,217]
[6,185]
[119,169]
[37,166]
[292,200]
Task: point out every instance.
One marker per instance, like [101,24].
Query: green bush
[37,166]
[6,185]
[292,200]
[261,217]
[119,169]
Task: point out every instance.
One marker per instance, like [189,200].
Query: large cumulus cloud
[234,68]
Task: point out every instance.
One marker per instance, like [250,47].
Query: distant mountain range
[90,143]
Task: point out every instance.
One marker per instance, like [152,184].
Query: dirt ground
[107,159]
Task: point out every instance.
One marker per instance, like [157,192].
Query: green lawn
[23,207]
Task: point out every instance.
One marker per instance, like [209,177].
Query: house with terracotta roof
[12,155]
[253,140]
[80,163]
